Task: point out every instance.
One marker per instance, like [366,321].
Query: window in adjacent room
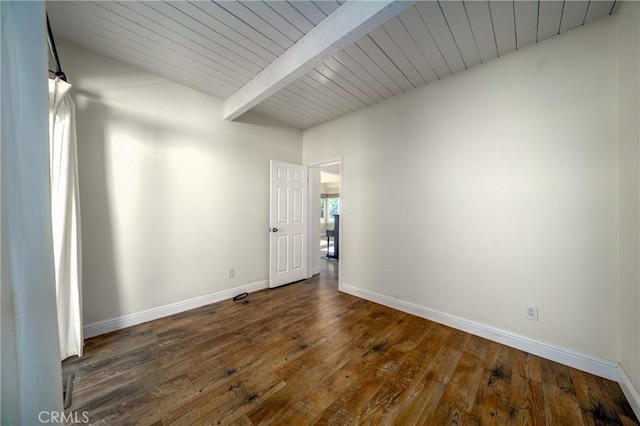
[329,207]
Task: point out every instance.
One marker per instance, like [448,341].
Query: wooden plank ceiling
[216,47]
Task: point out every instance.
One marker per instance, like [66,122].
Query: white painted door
[288,223]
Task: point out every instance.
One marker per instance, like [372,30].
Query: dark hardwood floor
[307,354]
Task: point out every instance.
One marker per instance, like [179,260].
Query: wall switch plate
[532,312]
[230,273]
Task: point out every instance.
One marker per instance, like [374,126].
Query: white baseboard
[107,326]
[315,270]
[629,390]
[599,367]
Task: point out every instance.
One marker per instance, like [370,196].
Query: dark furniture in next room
[335,234]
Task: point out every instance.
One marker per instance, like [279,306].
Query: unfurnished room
[320,212]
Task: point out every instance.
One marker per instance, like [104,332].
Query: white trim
[315,271]
[599,367]
[107,326]
[341,28]
[629,390]
[327,162]
[311,240]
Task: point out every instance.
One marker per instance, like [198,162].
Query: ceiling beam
[341,28]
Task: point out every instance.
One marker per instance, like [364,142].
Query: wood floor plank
[386,403]
[376,361]
[307,354]
[526,401]
[492,400]
[597,407]
[320,397]
[526,365]
[447,414]
[561,406]
[444,354]
[324,362]
[462,389]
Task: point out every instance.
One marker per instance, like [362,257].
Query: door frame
[343,212]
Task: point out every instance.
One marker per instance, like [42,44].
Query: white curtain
[65,216]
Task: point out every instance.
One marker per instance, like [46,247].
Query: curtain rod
[54,53]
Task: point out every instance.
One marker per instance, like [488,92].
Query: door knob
[274,229]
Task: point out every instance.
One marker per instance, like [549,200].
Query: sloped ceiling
[218,47]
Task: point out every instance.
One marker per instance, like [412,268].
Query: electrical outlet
[230,273]
[532,312]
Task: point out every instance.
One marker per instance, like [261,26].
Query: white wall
[501,189]
[629,186]
[330,188]
[171,195]
[31,373]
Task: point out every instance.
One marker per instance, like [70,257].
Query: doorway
[330,212]
[326,207]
